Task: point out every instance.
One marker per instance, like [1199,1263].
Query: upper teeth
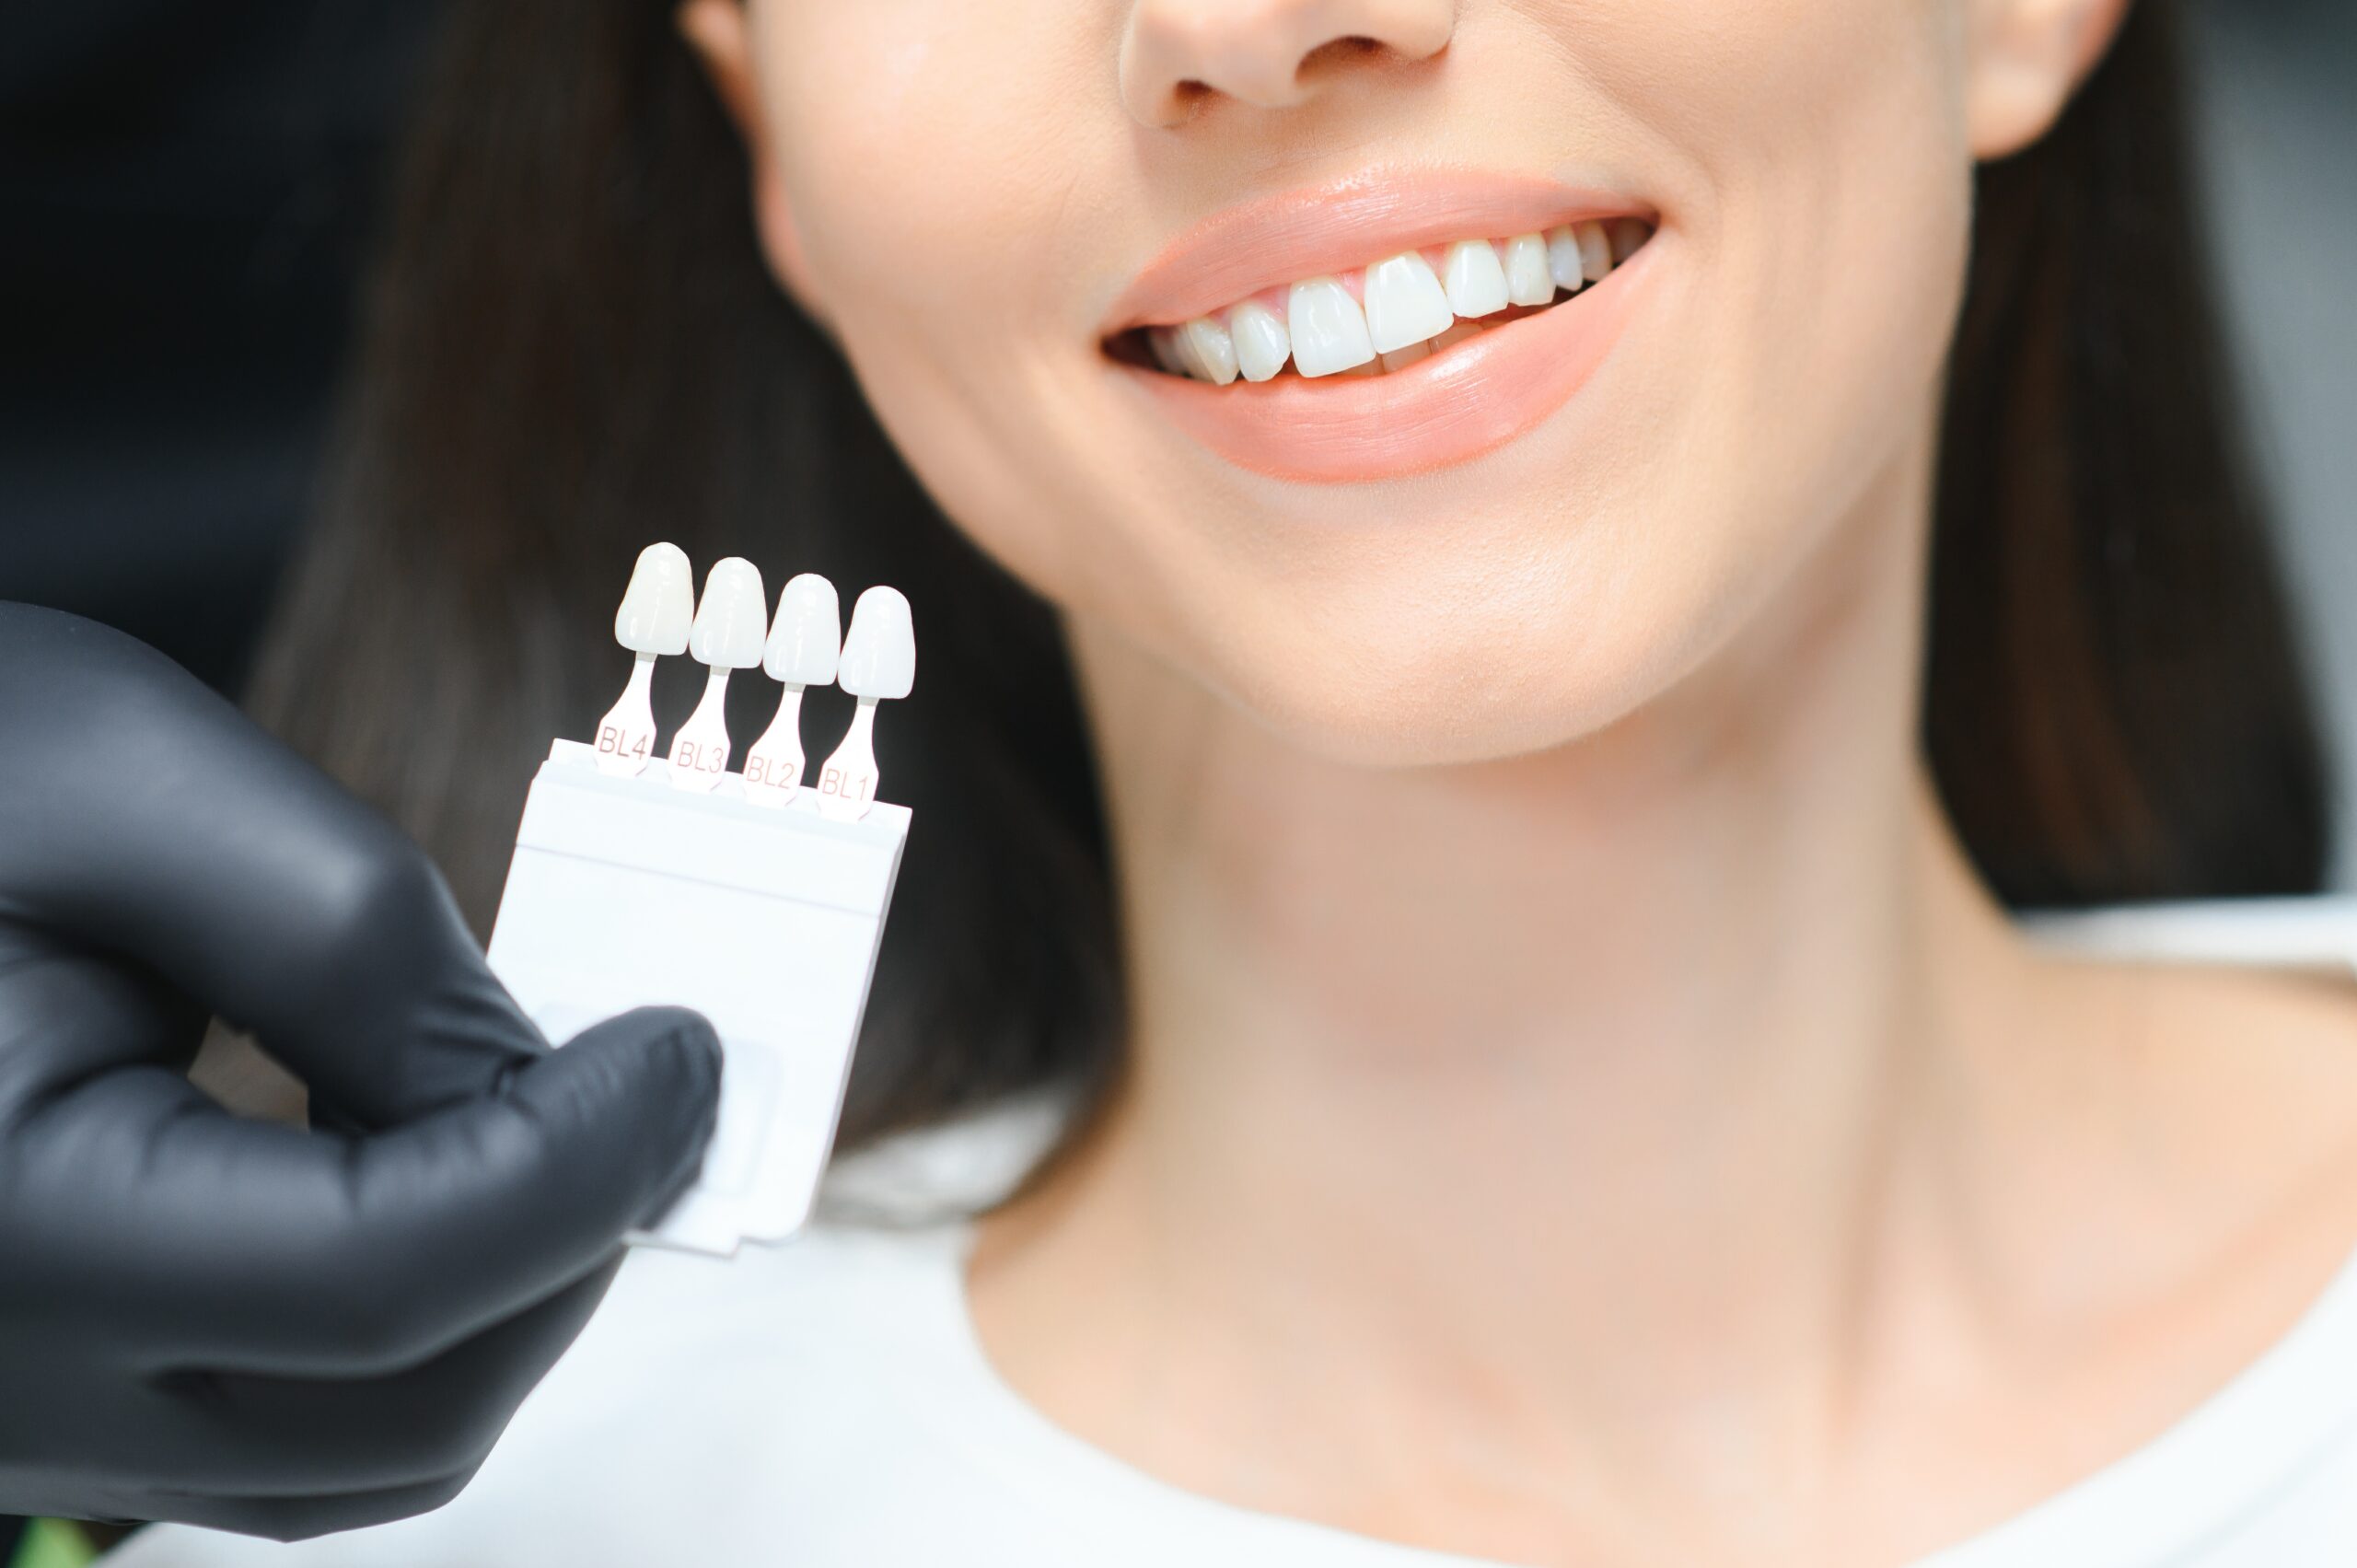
[1402,306]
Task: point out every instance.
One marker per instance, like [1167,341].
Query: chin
[1461,703]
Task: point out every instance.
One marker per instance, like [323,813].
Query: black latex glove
[234,1323]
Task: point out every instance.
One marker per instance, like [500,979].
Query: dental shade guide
[732,623]
[880,661]
[747,903]
[651,621]
[805,646]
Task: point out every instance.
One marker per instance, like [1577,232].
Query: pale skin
[1584,1109]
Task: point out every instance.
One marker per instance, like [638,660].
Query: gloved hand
[240,1324]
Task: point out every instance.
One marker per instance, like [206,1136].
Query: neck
[1551,1057]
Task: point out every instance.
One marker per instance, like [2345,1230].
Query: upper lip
[1345,224]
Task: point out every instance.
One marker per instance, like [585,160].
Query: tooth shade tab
[1405,303]
[1528,281]
[806,639]
[1328,329]
[879,663]
[880,657]
[659,605]
[732,620]
[1476,281]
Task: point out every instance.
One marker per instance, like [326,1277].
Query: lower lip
[1449,409]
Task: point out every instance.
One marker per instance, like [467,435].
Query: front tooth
[1263,344]
[1207,342]
[1563,259]
[1405,303]
[1329,333]
[1527,280]
[1399,359]
[1477,285]
[1595,252]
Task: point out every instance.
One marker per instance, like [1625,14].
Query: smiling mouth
[1389,316]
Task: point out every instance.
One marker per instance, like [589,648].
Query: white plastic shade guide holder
[625,892]
[651,622]
[731,625]
[880,661]
[805,646]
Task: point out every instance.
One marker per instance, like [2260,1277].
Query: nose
[1274,54]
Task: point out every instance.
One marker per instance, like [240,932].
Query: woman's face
[1505,544]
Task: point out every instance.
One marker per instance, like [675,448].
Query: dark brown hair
[573,349]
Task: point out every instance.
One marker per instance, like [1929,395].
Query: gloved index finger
[223,1245]
[173,830]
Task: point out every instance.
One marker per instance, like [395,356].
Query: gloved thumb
[628,1107]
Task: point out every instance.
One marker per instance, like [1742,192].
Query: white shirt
[826,1405]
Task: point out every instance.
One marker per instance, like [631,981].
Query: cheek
[952,177]
[1823,185]
[922,142]
[1829,142]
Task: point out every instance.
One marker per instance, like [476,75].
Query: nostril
[1177,55]
[1336,55]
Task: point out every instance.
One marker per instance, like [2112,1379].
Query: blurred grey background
[2276,111]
